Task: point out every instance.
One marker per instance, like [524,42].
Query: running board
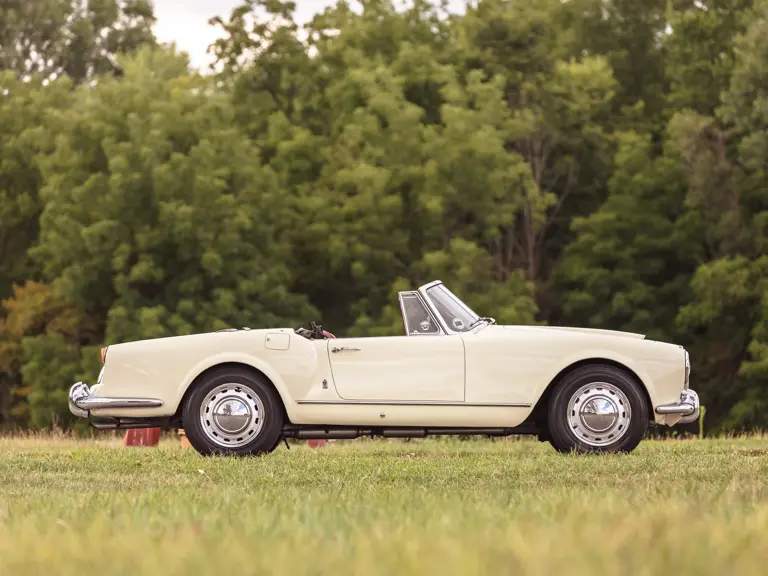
[312,432]
[349,433]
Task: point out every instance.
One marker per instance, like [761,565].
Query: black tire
[276,444]
[263,430]
[578,428]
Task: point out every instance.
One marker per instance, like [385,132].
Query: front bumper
[81,401]
[688,408]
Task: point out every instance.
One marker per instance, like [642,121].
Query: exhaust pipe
[404,432]
[327,434]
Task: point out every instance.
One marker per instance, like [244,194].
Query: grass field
[439,507]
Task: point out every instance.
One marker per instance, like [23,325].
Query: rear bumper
[81,401]
[688,407]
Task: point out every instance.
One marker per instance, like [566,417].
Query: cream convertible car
[454,372]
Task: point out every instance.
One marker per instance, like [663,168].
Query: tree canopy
[598,163]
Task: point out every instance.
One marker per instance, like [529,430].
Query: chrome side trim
[412,403]
[81,402]
[97,403]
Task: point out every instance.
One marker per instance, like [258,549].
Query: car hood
[590,331]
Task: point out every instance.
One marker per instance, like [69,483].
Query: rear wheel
[597,408]
[233,411]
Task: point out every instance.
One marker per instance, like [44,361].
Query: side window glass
[418,321]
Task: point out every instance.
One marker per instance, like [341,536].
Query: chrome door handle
[345,349]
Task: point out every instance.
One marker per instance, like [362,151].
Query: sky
[185,22]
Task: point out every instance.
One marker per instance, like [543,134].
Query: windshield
[457,316]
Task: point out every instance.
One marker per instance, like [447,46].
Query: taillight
[104,354]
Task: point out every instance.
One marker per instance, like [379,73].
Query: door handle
[345,349]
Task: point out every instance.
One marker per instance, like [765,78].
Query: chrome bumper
[81,402]
[688,407]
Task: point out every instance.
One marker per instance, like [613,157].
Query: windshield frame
[424,291]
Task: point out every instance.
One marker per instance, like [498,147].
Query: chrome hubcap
[599,414]
[231,415]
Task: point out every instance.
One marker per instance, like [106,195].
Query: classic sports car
[241,391]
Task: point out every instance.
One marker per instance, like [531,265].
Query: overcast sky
[186,21]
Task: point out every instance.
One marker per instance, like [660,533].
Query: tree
[26,110]
[560,104]
[330,114]
[77,38]
[590,162]
[159,219]
[40,355]
[730,193]
[699,55]
[630,36]
[38,42]
[631,261]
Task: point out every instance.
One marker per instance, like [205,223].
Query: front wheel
[233,411]
[597,408]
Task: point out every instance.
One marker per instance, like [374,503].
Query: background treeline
[590,162]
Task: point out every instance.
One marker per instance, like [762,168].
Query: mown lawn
[375,507]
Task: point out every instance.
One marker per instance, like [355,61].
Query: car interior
[314,332]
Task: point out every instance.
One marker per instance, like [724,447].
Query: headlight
[687,369]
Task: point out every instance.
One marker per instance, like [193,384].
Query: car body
[453,372]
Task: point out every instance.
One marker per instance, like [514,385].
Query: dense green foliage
[591,162]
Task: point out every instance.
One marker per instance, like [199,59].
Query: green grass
[439,507]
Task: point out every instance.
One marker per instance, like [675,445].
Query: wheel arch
[539,412]
[230,364]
